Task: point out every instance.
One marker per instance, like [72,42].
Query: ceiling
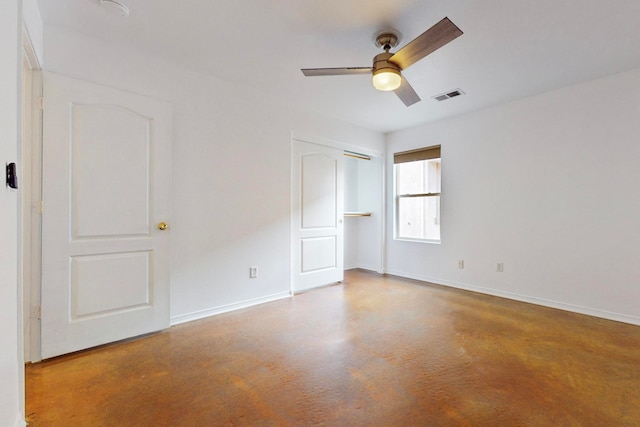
[509,50]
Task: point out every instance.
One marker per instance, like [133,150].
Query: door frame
[30,236]
[353,148]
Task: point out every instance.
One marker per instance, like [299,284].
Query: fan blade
[309,72]
[429,41]
[406,93]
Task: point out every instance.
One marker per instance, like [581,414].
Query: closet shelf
[357,214]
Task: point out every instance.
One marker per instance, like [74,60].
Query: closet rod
[356,155]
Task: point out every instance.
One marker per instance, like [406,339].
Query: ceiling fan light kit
[387,67]
[387,80]
[386,74]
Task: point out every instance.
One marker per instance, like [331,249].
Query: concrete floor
[376,351]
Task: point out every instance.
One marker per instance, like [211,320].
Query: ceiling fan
[387,67]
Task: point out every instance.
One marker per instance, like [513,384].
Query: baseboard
[201,314]
[367,270]
[375,269]
[618,317]
[20,422]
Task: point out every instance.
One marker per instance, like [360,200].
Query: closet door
[317,215]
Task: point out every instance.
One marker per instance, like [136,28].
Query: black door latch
[12,176]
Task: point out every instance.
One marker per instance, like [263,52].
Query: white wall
[232,167]
[549,186]
[370,231]
[10,356]
[32,22]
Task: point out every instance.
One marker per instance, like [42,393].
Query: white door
[106,184]
[317,215]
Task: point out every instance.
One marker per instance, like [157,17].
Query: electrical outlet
[460,263]
[500,267]
[253,272]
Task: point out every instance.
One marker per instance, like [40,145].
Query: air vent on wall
[447,95]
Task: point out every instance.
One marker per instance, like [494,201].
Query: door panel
[319,253]
[110,148]
[106,183]
[121,280]
[317,212]
[318,172]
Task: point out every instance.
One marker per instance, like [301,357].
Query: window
[417,194]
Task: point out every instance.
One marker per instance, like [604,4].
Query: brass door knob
[163,225]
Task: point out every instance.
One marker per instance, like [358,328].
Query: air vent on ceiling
[447,95]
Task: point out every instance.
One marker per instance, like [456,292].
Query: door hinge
[41,103]
[36,312]
[38,206]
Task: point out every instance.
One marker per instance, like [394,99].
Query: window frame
[422,154]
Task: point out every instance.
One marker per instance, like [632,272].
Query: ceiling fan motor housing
[381,62]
